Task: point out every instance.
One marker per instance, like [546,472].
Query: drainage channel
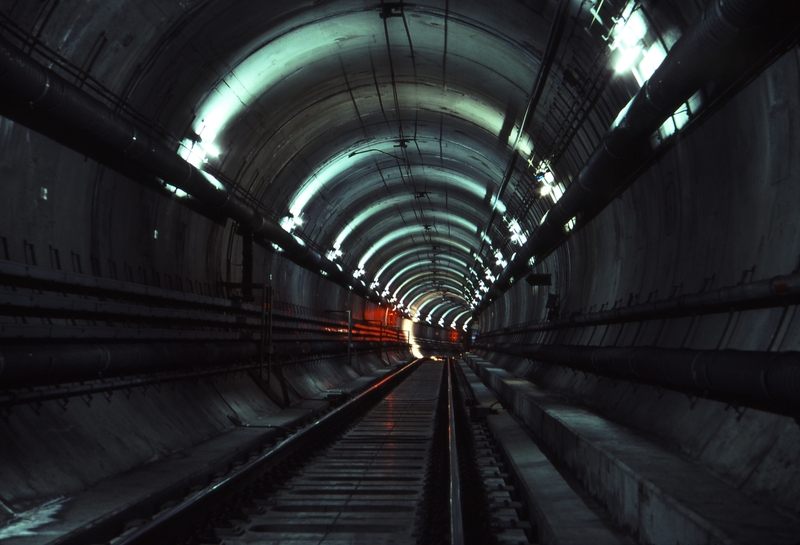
[382,477]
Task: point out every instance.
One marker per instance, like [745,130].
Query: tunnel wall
[714,211]
[66,211]
[717,205]
[55,449]
[717,210]
[95,221]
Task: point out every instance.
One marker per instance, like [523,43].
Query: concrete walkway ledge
[563,517]
[658,496]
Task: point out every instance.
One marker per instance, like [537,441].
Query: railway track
[368,483]
[402,463]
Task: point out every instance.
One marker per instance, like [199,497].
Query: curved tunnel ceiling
[381,132]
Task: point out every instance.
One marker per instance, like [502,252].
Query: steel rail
[456,519]
[160,529]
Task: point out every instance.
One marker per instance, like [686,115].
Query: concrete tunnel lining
[439,107]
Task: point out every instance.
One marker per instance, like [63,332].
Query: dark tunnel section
[220,217]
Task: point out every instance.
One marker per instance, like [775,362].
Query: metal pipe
[37,97]
[685,69]
[767,381]
[773,292]
[29,365]
[41,364]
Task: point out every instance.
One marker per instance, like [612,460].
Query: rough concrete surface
[659,496]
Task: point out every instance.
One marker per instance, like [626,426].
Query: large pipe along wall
[35,365]
[763,380]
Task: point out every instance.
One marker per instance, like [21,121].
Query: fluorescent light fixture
[541,221]
[517,235]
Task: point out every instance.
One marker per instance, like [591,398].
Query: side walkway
[562,516]
[660,497]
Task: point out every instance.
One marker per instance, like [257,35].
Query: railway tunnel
[538,258]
